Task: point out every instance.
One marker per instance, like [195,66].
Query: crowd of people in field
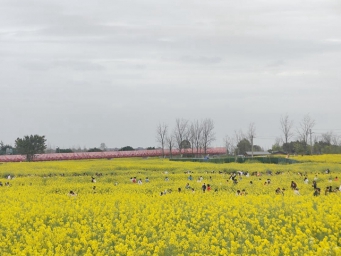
[233,177]
[278,191]
[316,189]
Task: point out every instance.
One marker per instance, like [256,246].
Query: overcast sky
[86,72]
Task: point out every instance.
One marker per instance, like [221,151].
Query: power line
[328,129]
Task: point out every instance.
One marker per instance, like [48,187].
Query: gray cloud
[201,59]
[109,72]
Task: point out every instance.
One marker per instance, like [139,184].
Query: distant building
[278,153]
[9,151]
[257,153]
[113,149]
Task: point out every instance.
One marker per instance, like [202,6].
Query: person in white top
[296,192]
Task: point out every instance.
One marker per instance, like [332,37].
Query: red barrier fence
[106,154]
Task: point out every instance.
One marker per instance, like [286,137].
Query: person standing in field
[314,184]
[208,187]
[293,185]
[306,181]
[203,187]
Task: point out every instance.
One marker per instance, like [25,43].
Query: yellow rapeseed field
[116,216]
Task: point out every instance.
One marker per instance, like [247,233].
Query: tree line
[198,135]
[300,139]
[241,141]
[194,135]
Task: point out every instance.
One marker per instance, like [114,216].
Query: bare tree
[336,140]
[239,136]
[327,137]
[103,147]
[196,130]
[286,127]
[170,143]
[208,135]
[161,133]
[251,133]
[229,144]
[305,128]
[192,136]
[180,132]
[330,138]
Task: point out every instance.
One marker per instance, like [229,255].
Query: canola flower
[118,217]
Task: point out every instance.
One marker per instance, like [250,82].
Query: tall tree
[336,140]
[286,128]
[30,145]
[103,147]
[170,143]
[305,127]
[239,136]
[330,138]
[243,146]
[208,135]
[251,133]
[229,144]
[197,129]
[180,132]
[161,134]
[192,137]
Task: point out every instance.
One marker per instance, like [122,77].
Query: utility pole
[311,143]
